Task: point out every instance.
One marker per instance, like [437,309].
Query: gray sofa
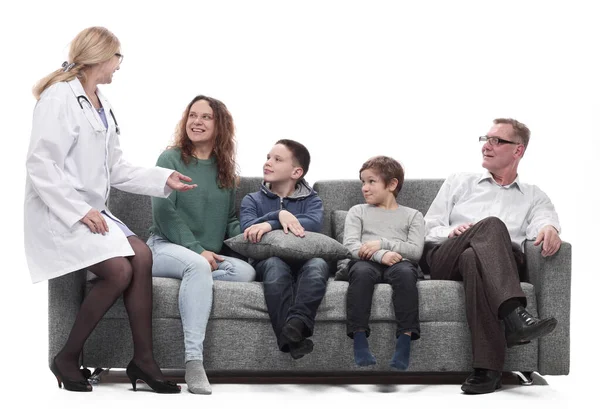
[240,340]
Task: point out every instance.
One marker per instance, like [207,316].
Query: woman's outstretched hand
[175,182]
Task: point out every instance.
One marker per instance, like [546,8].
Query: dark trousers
[363,275]
[482,257]
[292,290]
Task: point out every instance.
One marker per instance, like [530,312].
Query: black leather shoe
[482,381]
[520,327]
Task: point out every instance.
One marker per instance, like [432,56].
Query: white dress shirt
[471,197]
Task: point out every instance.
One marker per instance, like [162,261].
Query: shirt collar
[488,176]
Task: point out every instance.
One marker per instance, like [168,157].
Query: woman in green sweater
[188,230]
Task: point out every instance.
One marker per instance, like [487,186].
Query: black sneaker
[299,349]
[294,329]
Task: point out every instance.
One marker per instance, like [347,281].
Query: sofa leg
[96,375]
[525,378]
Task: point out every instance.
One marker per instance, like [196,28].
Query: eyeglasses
[494,140]
[120,57]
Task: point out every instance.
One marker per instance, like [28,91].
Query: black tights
[127,276]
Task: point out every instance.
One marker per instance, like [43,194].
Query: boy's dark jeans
[292,290]
[363,275]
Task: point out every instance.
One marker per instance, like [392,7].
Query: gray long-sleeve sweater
[401,230]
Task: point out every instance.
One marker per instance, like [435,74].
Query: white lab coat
[72,162]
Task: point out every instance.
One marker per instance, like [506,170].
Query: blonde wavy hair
[91,46]
[225,144]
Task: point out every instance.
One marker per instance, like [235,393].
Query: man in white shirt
[472,226]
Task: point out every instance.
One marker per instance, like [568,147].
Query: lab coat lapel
[110,119]
[88,110]
[110,132]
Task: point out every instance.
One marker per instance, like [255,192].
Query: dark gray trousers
[482,257]
[402,276]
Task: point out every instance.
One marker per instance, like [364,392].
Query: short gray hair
[520,129]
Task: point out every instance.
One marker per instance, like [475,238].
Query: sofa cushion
[439,301]
[288,246]
[338,221]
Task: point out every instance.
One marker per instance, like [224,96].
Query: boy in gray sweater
[386,241]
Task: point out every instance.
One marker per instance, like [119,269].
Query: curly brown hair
[224,149]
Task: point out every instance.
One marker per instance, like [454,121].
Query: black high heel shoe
[70,385]
[134,373]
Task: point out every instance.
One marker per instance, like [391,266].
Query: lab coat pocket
[59,228]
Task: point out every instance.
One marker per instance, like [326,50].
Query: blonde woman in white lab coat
[73,160]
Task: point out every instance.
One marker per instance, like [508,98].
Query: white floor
[561,391]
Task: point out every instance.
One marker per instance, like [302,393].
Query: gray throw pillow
[338,221]
[276,243]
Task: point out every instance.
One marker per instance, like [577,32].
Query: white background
[419,81]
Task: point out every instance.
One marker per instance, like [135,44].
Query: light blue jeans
[195,292]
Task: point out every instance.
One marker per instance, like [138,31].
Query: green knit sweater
[201,218]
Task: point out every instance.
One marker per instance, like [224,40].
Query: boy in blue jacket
[293,290]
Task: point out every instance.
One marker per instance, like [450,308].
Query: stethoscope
[90,104]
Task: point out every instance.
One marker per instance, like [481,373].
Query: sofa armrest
[65,295]
[551,277]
